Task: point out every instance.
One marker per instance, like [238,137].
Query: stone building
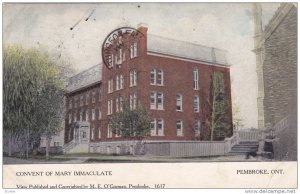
[172,79]
[276,60]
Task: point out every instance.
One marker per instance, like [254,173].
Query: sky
[227,26]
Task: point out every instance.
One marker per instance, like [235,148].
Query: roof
[186,50]
[277,18]
[85,78]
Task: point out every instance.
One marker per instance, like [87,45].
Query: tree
[220,127]
[132,124]
[237,120]
[32,95]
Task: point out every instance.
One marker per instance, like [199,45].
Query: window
[75,116]
[75,102]
[110,85]
[100,114]
[110,107]
[121,81]
[179,127]
[92,133]
[133,50]
[87,98]
[160,77]
[93,114]
[156,79]
[81,100]
[99,133]
[157,127]
[83,134]
[153,77]
[81,116]
[117,104]
[153,100]
[121,103]
[70,104]
[160,127]
[117,82]
[179,102]
[196,79]
[121,55]
[69,134]
[160,101]
[132,101]
[124,56]
[196,103]
[116,59]
[87,115]
[118,133]
[153,127]
[111,60]
[133,77]
[70,118]
[93,97]
[100,95]
[109,131]
[197,128]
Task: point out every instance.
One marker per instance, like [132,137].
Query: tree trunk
[47,147]
[9,145]
[27,142]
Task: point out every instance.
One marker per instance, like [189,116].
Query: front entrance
[82,132]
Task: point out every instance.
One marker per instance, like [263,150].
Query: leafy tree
[132,124]
[220,127]
[237,120]
[32,95]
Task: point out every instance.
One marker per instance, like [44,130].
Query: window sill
[179,110]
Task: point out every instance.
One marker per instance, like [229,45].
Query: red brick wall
[178,78]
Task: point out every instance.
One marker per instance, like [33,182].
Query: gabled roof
[185,50]
[85,78]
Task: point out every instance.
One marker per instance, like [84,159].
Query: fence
[246,135]
[186,148]
[285,146]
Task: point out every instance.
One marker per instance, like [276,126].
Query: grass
[107,160]
[38,157]
[85,154]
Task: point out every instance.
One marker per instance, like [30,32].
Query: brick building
[172,79]
[276,61]
[83,101]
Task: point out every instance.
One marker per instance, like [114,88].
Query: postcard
[150,96]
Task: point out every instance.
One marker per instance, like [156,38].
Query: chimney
[142,27]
